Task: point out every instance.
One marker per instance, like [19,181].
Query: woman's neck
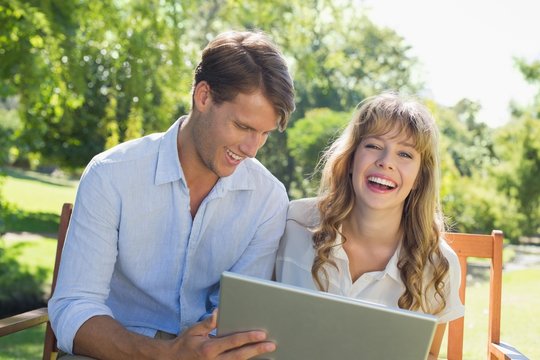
[373,227]
[371,240]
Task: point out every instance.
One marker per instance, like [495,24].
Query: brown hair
[243,62]
[421,221]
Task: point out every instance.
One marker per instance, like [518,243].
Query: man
[158,219]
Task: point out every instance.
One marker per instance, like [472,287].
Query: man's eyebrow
[238,121]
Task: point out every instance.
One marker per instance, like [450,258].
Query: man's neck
[199,179]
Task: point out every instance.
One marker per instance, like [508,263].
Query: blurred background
[78,77]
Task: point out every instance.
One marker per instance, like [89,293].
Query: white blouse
[296,253]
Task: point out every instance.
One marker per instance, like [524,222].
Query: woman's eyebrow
[380,138]
[405,143]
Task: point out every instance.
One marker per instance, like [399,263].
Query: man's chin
[227,171]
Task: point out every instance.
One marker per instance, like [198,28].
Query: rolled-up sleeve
[88,257]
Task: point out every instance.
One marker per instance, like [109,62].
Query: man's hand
[196,343]
[102,337]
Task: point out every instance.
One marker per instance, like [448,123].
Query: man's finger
[202,328]
[237,340]
[249,351]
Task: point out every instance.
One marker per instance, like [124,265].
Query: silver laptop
[312,325]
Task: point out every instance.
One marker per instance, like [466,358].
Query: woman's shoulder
[448,252]
[303,212]
[302,217]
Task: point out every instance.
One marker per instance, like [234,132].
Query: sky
[466,48]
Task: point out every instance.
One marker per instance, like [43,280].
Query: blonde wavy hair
[422,265]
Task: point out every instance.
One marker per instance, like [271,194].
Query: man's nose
[251,144]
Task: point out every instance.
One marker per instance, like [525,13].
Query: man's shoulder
[131,150]
[261,175]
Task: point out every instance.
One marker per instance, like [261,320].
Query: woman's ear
[202,98]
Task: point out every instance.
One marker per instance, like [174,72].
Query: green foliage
[335,64]
[87,75]
[308,138]
[519,150]
[470,165]
[20,290]
[10,125]
[84,57]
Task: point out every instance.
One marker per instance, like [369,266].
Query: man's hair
[244,62]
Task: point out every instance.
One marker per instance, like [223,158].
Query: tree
[308,139]
[337,57]
[82,58]
[470,198]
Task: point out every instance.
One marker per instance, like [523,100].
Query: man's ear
[201,96]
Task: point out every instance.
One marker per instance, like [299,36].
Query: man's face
[227,133]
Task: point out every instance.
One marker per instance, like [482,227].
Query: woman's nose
[385,162]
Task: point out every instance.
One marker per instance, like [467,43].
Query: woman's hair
[421,222]
[243,62]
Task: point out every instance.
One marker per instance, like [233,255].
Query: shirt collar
[169,169]
[240,179]
[391,268]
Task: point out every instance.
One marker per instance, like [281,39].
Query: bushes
[20,289]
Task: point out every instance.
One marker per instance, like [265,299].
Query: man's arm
[88,258]
[115,342]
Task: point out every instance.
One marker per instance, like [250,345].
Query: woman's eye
[372,146]
[405,155]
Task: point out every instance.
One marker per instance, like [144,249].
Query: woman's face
[384,171]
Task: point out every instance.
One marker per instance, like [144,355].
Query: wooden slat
[504,351]
[65,216]
[495,289]
[470,244]
[23,321]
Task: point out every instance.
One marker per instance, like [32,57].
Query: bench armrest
[505,351]
[23,321]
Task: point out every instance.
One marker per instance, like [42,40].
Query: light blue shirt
[133,251]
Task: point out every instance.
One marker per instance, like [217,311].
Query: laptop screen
[313,325]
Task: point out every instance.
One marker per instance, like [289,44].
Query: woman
[374,232]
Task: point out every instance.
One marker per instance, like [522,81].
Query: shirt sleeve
[88,257]
[454,308]
[295,257]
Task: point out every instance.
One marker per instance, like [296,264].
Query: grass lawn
[519,328]
[22,345]
[35,200]
[34,254]
[35,192]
